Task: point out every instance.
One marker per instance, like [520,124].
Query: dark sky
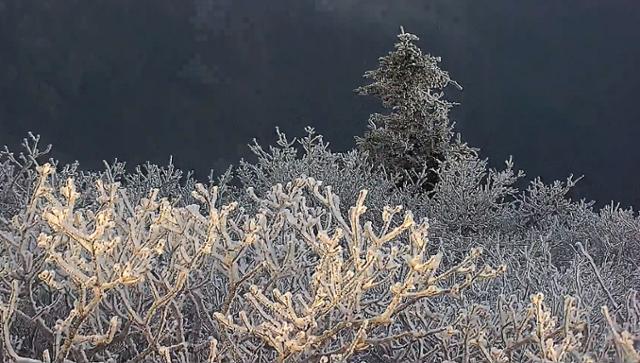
[553,83]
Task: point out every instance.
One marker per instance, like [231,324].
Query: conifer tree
[410,141]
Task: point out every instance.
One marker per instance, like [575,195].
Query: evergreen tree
[411,141]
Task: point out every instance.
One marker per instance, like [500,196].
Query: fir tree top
[406,77]
[417,135]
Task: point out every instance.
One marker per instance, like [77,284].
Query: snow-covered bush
[152,282]
[310,156]
[470,198]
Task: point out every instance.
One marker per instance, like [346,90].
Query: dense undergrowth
[316,256]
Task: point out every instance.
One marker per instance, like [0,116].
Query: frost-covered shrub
[18,176]
[91,283]
[612,234]
[535,232]
[296,281]
[346,173]
[615,236]
[351,298]
[113,284]
[471,198]
[541,203]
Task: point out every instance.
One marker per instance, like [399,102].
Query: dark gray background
[553,83]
